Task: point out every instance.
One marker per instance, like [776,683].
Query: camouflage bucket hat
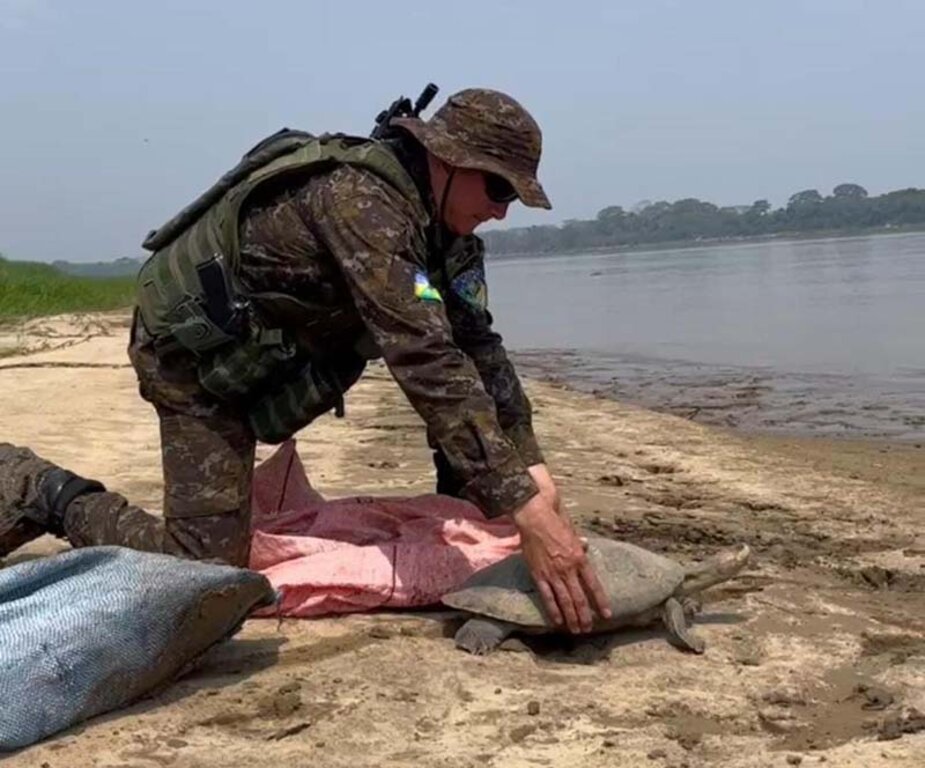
[486,131]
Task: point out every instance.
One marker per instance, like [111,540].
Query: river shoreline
[687,245]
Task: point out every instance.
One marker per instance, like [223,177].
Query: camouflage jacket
[348,240]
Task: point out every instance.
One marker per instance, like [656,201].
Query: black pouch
[249,366]
[298,401]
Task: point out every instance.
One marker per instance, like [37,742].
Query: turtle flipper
[481,636]
[679,631]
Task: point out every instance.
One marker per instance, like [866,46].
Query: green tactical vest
[170,294]
[188,295]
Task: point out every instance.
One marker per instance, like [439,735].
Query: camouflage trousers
[207,455]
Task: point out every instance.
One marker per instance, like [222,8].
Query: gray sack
[93,629]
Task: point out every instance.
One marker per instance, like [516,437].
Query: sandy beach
[816,654]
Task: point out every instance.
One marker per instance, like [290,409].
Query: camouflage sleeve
[467,309]
[377,239]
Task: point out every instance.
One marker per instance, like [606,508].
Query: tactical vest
[189,297]
[196,253]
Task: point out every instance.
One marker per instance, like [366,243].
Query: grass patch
[34,290]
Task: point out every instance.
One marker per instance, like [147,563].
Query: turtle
[643,586]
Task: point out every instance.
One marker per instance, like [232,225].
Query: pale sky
[115,113]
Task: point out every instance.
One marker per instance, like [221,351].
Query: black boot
[16,530]
[448,483]
[56,489]
[34,495]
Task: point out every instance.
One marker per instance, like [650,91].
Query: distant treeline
[124,267]
[848,208]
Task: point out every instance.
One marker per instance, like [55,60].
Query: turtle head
[720,567]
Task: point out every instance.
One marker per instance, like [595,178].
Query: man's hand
[559,564]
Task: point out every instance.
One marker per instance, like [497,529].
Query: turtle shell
[635,580]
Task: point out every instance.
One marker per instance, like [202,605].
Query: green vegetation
[31,290]
[848,209]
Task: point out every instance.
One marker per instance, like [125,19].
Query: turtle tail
[719,568]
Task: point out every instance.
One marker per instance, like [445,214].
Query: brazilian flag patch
[424,290]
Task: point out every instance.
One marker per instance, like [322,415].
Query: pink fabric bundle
[362,553]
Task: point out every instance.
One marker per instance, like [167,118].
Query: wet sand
[896,465]
[816,654]
[747,399]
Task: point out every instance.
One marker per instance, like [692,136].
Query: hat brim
[528,188]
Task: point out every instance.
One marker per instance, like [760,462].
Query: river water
[800,337]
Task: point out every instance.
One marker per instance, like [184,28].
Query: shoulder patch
[424,290]
[470,286]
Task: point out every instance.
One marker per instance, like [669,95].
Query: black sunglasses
[499,189]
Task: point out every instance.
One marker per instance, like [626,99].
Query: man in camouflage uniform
[402,268]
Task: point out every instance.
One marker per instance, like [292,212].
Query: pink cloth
[357,554]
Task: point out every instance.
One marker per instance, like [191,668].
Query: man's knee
[225,537]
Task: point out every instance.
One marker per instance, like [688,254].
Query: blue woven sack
[93,629]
